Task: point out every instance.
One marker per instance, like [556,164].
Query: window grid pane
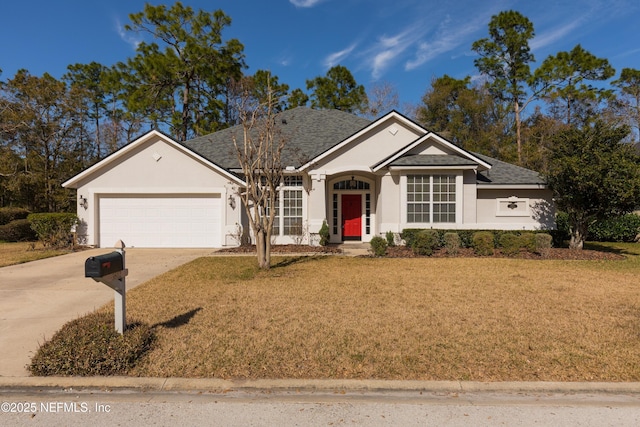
[418,198]
[431,198]
[292,212]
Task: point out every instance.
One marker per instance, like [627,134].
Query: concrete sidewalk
[38,297]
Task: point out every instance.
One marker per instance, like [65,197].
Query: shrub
[8,215]
[53,229]
[452,243]
[379,246]
[391,238]
[543,244]
[409,235]
[510,244]
[91,346]
[528,241]
[425,242]
[17,231]
[623,228]
[324,234]
[483,243]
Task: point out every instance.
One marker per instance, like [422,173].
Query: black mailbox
[103,265]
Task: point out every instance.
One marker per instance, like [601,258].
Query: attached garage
[152,221]
[156,193]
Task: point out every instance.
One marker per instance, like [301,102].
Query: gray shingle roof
[308,133]
[503,173]
[432,160]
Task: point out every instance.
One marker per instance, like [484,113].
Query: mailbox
[103,265]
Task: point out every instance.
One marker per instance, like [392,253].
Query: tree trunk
[578,231]
[516,109]
[262,250]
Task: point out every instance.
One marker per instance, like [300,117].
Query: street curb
[15,384]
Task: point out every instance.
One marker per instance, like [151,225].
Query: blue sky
[404,42]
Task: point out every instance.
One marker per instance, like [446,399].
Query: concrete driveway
[38,297]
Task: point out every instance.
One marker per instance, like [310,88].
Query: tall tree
[297,98]
[628,86]
[88,80]
[259,152]
[41,124]
[181,84]
[466,115]
[505,57]
[338,90]
[594,175]
[565,80]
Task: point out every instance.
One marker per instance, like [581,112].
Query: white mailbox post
[111,270]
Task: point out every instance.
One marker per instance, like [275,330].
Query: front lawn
[21,252]
[485,319]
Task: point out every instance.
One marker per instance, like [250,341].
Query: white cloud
[305,3]
[552,36]
[337,57]
[449,36]
[126,36]
[387,49]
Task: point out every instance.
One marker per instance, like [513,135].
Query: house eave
[512,186]
[432,167]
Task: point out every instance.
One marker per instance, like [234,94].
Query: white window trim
[403,201]
[280,217]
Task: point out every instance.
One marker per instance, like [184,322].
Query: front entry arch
[352,217]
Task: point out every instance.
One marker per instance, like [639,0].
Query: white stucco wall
[154,167]
[539,213]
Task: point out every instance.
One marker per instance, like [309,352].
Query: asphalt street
[317,408]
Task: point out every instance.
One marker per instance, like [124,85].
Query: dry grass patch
[21,252]
[430,319]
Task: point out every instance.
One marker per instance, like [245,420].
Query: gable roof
[308,133]
[147,137]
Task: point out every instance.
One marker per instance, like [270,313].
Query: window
[431,198]
[288,215]
[292,212]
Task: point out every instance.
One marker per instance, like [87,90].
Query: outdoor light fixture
[353,184]
[83,202]
[232,201]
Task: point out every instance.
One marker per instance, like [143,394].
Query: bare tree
[259,153]
[383,97]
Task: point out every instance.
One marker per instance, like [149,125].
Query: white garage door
[161,222]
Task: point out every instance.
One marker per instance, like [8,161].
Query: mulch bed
[406,252]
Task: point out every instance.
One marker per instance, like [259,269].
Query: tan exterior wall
[492,214]
[155,167]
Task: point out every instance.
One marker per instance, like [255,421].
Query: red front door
[351,217]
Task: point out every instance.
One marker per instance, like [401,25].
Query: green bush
[425,242]
[378,246]
[324,234]
[91,346]
[543,244]
[452,243]
[18,230]
[409,235]
[528,241]
[510,244]
[53,229]
[623,228]
[391,238]
[483,243]
[8,215]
